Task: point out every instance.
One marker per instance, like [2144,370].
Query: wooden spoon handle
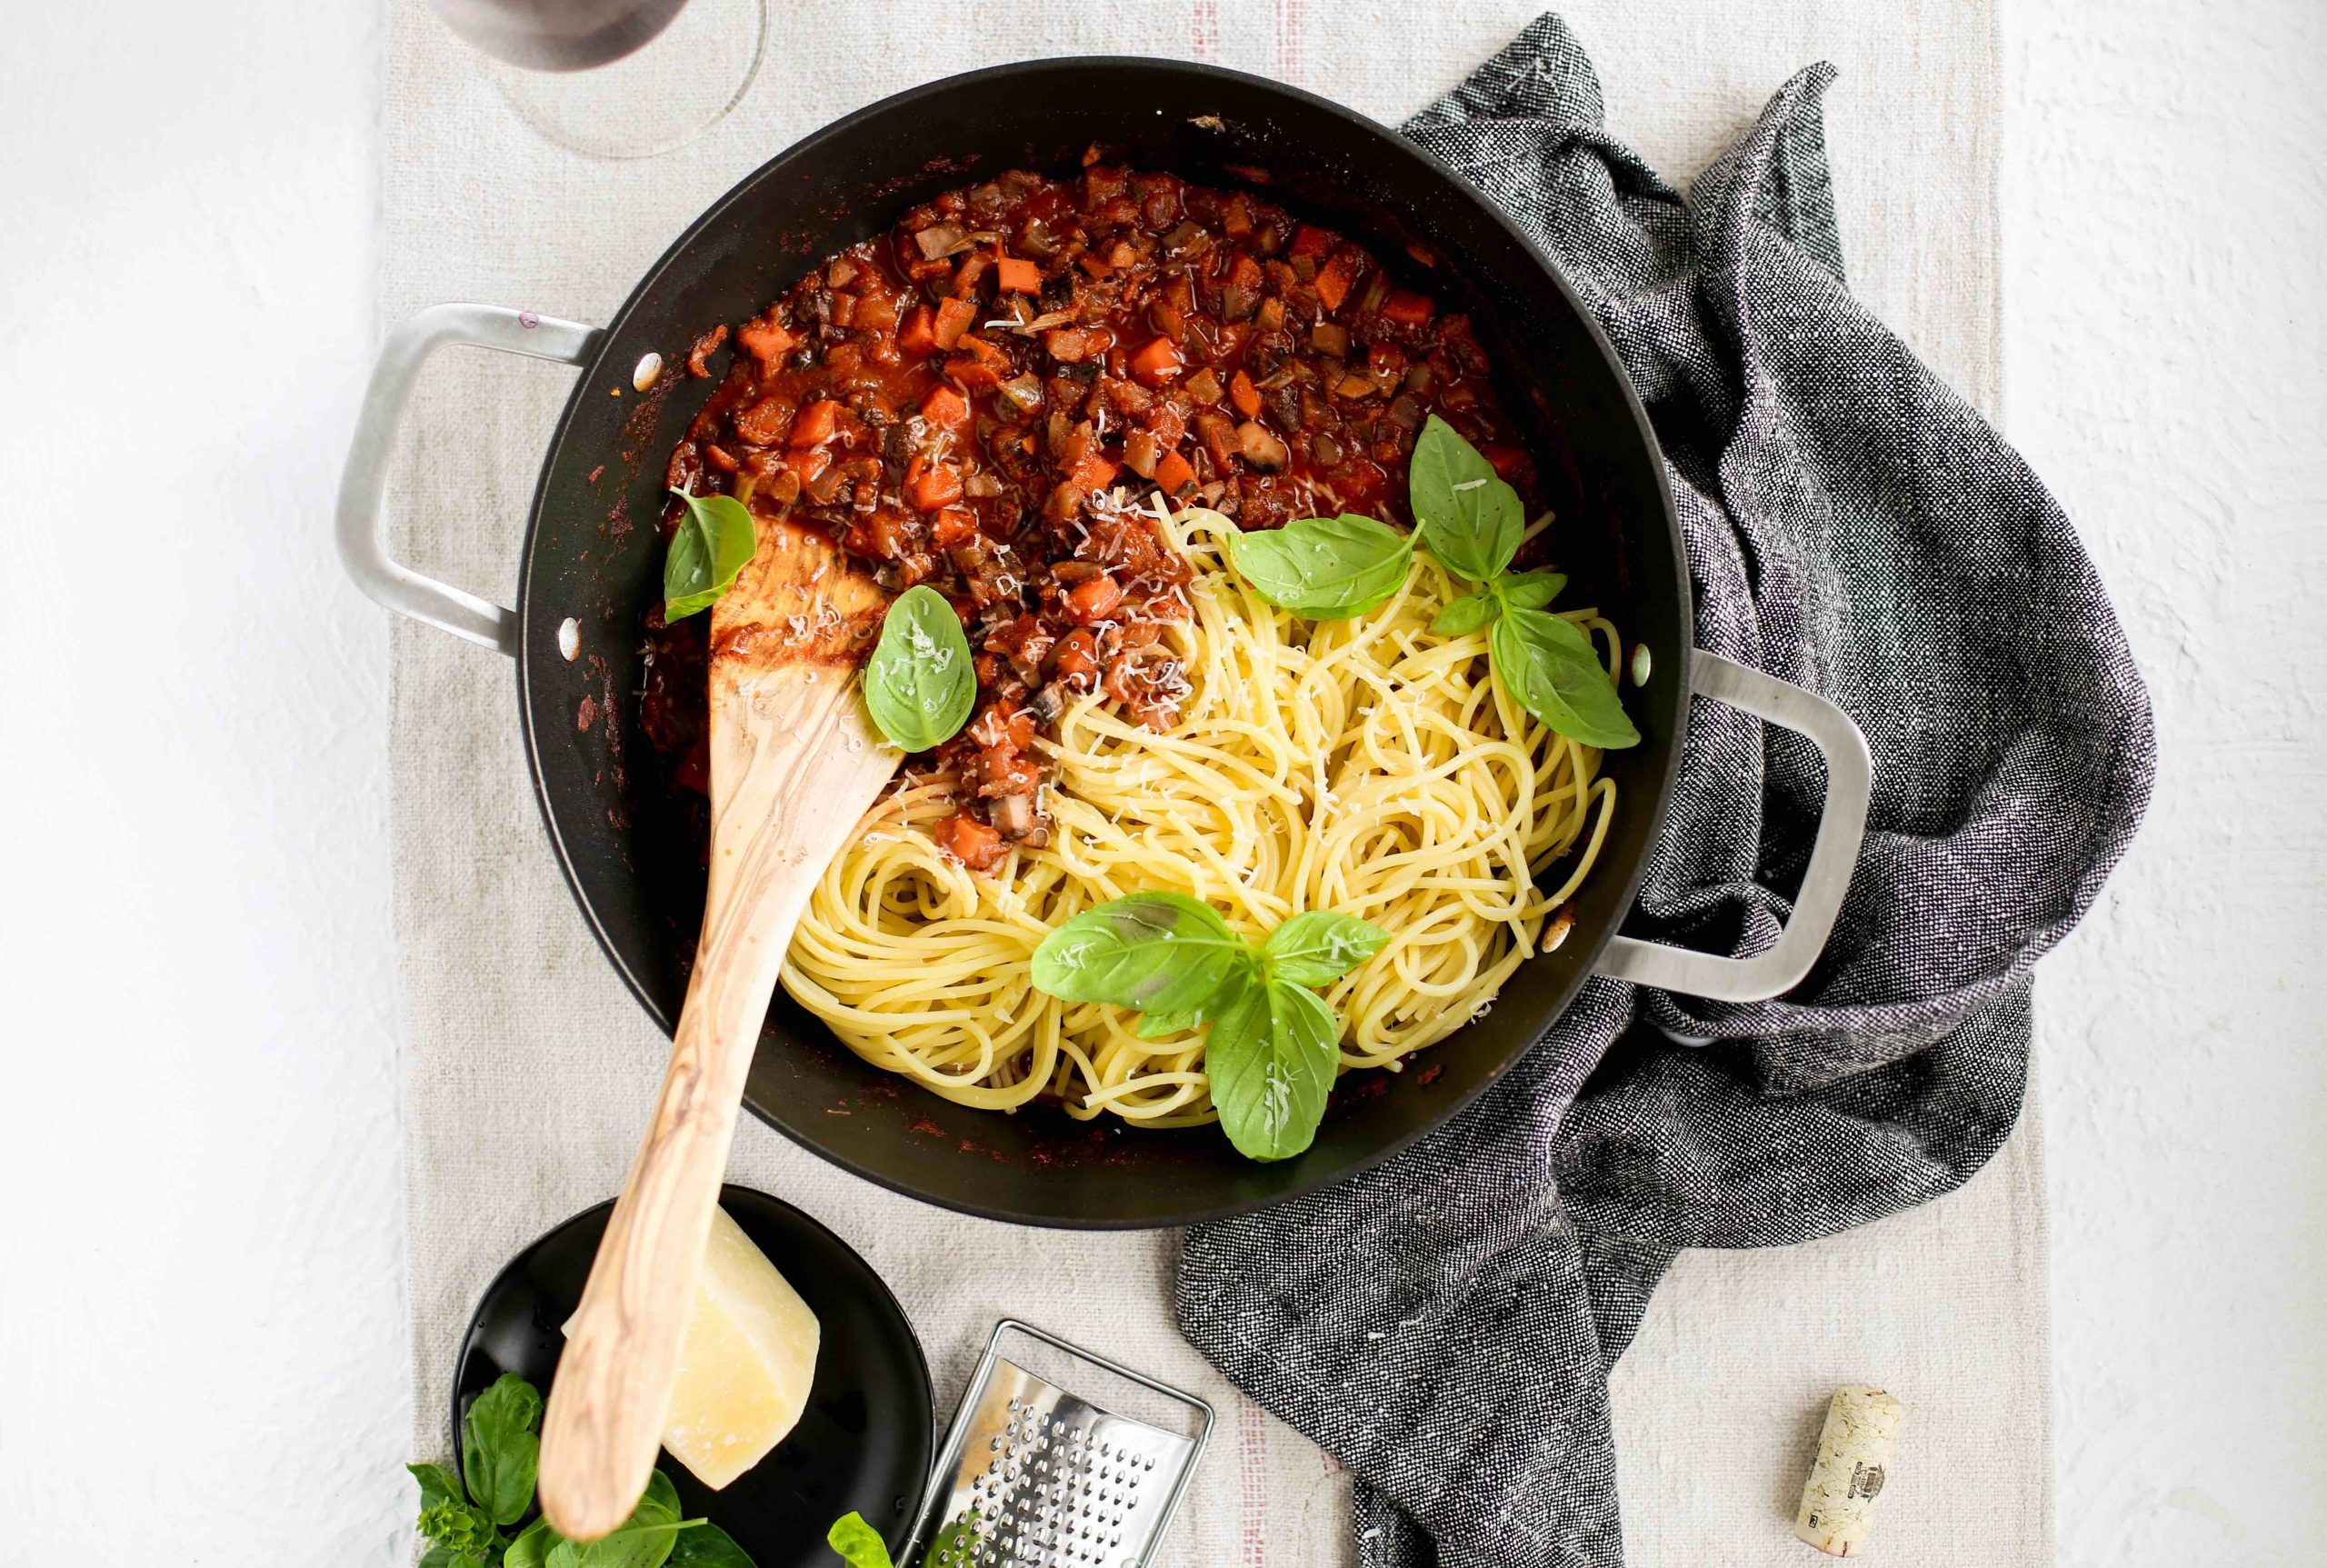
[611,1396]
[770,839]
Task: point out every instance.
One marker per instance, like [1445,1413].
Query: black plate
[865,1441]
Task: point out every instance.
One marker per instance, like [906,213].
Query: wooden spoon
[794,763]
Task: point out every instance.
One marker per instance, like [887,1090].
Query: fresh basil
[437,1484]
[634,1543]
[1325,568]
[715,540]
[501,1447]
[1550,668]
[1530,590]
[1459,617]
[920,684]
[1271,1059]
[1273,1052]
[1468,516]
[708,1546]
[1161,952]
[859,1544]
[531,1549]
[1319,947]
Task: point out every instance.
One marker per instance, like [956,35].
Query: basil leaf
[1326,568]
[1549,667]
[708,1546]
[445,1557]
[531,1549]
[1469,517]
[500,1448]
[1467,614]
[437,1484]
[1157,952]
[660,1502]
[1272,1058]
[635,1543]
[1159,1025]
[1531,590]
[715,540]
[919,683]
[859,1544]
[1319,947]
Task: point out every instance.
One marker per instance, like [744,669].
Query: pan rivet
[649,370]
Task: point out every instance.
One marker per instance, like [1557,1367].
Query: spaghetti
[1366,765]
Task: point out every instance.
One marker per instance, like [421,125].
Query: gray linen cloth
[1444,1324]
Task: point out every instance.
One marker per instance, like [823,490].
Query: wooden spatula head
[795,763]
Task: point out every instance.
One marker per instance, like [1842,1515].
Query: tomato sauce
[985,398]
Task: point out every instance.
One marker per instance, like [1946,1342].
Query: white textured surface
[2166,370]
[201,1249]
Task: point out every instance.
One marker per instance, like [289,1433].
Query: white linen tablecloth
[529,1069]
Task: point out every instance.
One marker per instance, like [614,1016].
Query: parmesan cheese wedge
[746,1362]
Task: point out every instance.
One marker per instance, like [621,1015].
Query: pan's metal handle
[362,486]
[1841,828]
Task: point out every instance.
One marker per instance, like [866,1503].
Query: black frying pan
[635,870]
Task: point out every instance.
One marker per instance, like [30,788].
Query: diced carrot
[1174,475]
[766,341]
[969,841]
[918,336]
[1169,426]
[1310,241]
[1092,263]
[1157,362]
[1405,307]
[1236,215]
[954,318]
[807,462]
[932,485]
[814,425]
[1093,600]
[946,409]
[1073,344]
[971,371]
[953,527]
[1092,473]
[1245,395]
[1077,659]
[1332,283]
[1016,275]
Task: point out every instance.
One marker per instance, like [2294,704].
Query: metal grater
[1034,1476]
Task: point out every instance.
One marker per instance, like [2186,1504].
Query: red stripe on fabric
[1252,1482]
[1292,28]
[1204,30]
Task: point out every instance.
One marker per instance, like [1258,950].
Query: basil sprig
[1471,520]
[1273,1051]
[1469,517]
[715,541]
[1326,568]
[920,684]
[500,1454]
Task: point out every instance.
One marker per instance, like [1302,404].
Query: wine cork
[1837,1513]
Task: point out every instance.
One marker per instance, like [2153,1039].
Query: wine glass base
[659,97]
